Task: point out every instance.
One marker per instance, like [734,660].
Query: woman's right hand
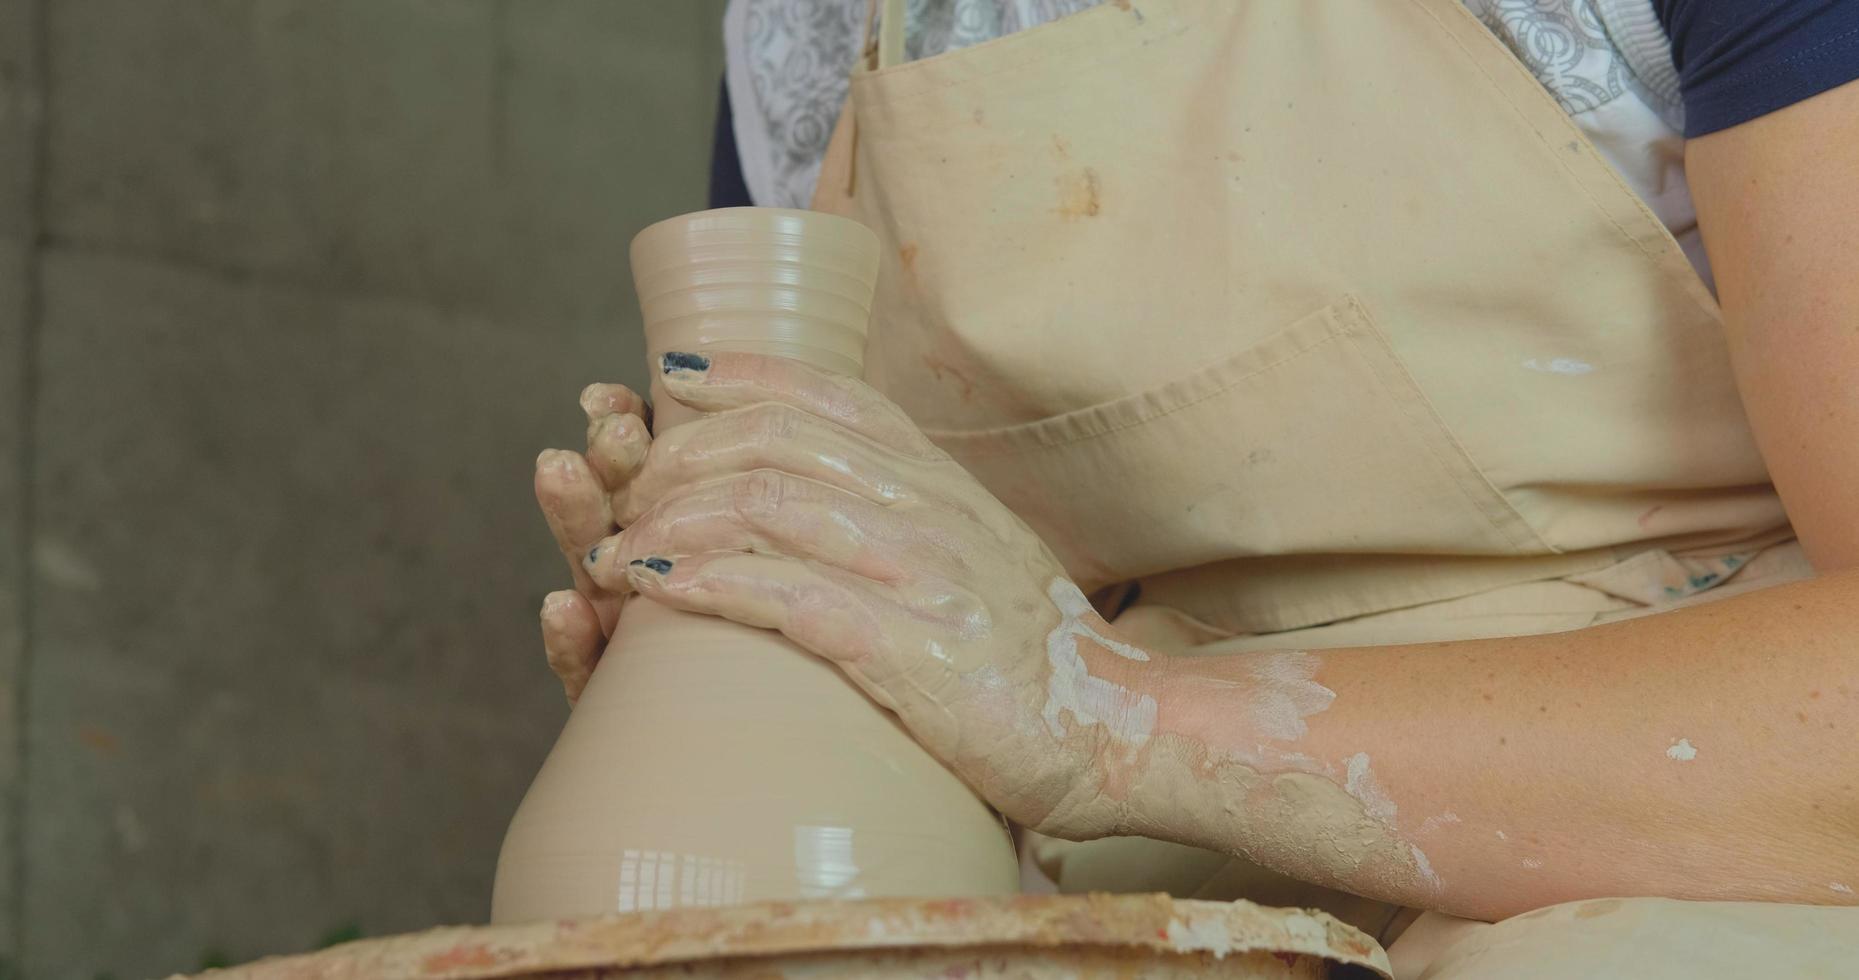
[576,491]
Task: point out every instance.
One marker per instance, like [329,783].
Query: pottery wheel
[1082,936]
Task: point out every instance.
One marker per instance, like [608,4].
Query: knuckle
[758,495]
[854,403]
[954,608]
[842,628]
[772,424]
[635,430]
[617,441]
[843,399]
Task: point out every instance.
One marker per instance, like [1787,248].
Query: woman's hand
[810,504]
[576,492]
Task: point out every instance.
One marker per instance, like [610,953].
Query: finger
[575,506]
[610,399]
[776,437]
[770,512]
[830,612]
[852,621]
[722,380]
[572,639]
[616,446]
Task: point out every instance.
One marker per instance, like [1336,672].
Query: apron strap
[841,153]
[887,48]
[891,34]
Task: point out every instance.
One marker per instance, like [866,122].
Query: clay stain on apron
[1080,195]
[1079,190]
[939,367]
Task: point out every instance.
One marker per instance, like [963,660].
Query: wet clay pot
[1075,937]
[709,763]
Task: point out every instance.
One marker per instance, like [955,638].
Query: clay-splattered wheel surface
[1082,936]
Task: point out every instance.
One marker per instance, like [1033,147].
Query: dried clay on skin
[1255,795]
[1129,717]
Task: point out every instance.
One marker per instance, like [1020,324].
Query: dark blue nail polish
[655,563]
[675,360]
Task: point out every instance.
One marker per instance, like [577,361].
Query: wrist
[1133,761]
[1222,725]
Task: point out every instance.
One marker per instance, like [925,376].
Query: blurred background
[291,294]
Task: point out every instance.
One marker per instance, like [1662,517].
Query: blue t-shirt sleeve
[1739,59]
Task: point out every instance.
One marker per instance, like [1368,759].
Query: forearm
[1707,753]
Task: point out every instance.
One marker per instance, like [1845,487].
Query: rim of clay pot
[768,280]
[1152,923]
[841,242]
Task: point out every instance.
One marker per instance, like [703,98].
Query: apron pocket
[1316,435]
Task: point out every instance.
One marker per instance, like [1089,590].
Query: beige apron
[1299,324]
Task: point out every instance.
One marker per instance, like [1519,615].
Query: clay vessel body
[709,763]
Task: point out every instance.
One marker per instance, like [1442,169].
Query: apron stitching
[1486,509]
[1060,443]
[1353,320]
[1316,607]
[929,64]
[1692,286]
[1394,913]
[1318,613]
[1556,567]
[1195,621]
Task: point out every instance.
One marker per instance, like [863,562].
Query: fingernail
[656,564]
[676,360]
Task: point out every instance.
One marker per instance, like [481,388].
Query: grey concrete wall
[291,294]
[19,231]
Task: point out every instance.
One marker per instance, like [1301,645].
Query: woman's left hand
[810,504]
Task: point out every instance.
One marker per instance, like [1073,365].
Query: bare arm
[1778,200]
[1708,753]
